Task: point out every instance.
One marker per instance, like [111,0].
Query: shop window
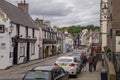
[32,48]
[22,49]
[2,29]
[118,33]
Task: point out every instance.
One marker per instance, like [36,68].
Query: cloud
[65,12]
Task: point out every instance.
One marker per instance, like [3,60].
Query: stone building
[114,25]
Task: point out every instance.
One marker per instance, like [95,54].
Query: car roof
[70,57]
[45,68]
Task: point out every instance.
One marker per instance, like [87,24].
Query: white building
[84,37]
[18,35]
[103,22]
[68,42]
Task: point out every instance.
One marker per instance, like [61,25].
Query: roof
[46,68]
[16,15]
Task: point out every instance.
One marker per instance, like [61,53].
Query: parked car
[68,63]
[46,73]
[79,60]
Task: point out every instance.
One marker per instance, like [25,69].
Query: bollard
[104,75]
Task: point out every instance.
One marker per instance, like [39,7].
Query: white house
[19,36]
[68,42]
[84,35]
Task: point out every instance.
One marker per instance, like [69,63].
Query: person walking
[84,62]
[95,60]
[90,60]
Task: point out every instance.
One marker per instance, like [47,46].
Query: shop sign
[2,45]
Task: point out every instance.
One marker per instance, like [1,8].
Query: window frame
[3,29]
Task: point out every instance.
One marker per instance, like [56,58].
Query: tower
[103,22]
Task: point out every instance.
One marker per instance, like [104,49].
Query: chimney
[24,6]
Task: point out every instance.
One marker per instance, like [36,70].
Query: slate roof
[16,15]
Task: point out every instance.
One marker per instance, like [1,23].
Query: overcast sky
[65,12]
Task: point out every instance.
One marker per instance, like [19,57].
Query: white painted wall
[36,55]
[30,32]
[23,31]
[5,60]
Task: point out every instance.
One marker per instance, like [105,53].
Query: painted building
[18,35]
[84,37]
[68,42]
[59,40]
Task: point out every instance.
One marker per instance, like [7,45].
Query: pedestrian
[103,57]
[95,60]
[84,62]
[90,60]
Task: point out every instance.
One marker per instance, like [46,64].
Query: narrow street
[17,71]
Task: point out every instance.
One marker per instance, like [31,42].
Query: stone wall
[110,68]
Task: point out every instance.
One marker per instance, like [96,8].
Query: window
[32,48]
[33,30]
[26,31]
[58,72]
[22,49]
[2,29]
[18,29]
[118,33]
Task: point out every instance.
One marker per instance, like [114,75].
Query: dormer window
[2,28]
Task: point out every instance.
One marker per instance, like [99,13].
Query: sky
[65,12]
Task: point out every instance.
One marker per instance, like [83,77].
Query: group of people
[92,60]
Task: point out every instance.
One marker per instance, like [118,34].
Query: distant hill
[75,29]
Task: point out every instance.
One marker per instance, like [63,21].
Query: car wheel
[75,75]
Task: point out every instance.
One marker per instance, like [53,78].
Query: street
[17,72]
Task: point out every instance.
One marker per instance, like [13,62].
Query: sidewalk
[95,75]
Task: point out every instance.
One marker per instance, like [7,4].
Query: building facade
[18,35]
[114,25]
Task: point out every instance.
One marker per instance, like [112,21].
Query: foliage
[75,29]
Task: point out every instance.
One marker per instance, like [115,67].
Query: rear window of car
[64,60]
[35,75]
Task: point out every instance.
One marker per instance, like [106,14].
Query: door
[58,74]
[15,53]
[28,51]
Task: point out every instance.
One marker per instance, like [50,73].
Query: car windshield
[64,60]
[37,75]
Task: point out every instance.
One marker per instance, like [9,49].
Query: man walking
[90,60]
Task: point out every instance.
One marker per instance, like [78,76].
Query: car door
[58,74]
[65,75]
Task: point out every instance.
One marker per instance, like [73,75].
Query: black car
[46,73]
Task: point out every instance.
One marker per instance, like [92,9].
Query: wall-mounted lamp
[11,29]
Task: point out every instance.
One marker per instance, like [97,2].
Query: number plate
[63,64]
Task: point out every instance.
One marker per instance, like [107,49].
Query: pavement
[95,75]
